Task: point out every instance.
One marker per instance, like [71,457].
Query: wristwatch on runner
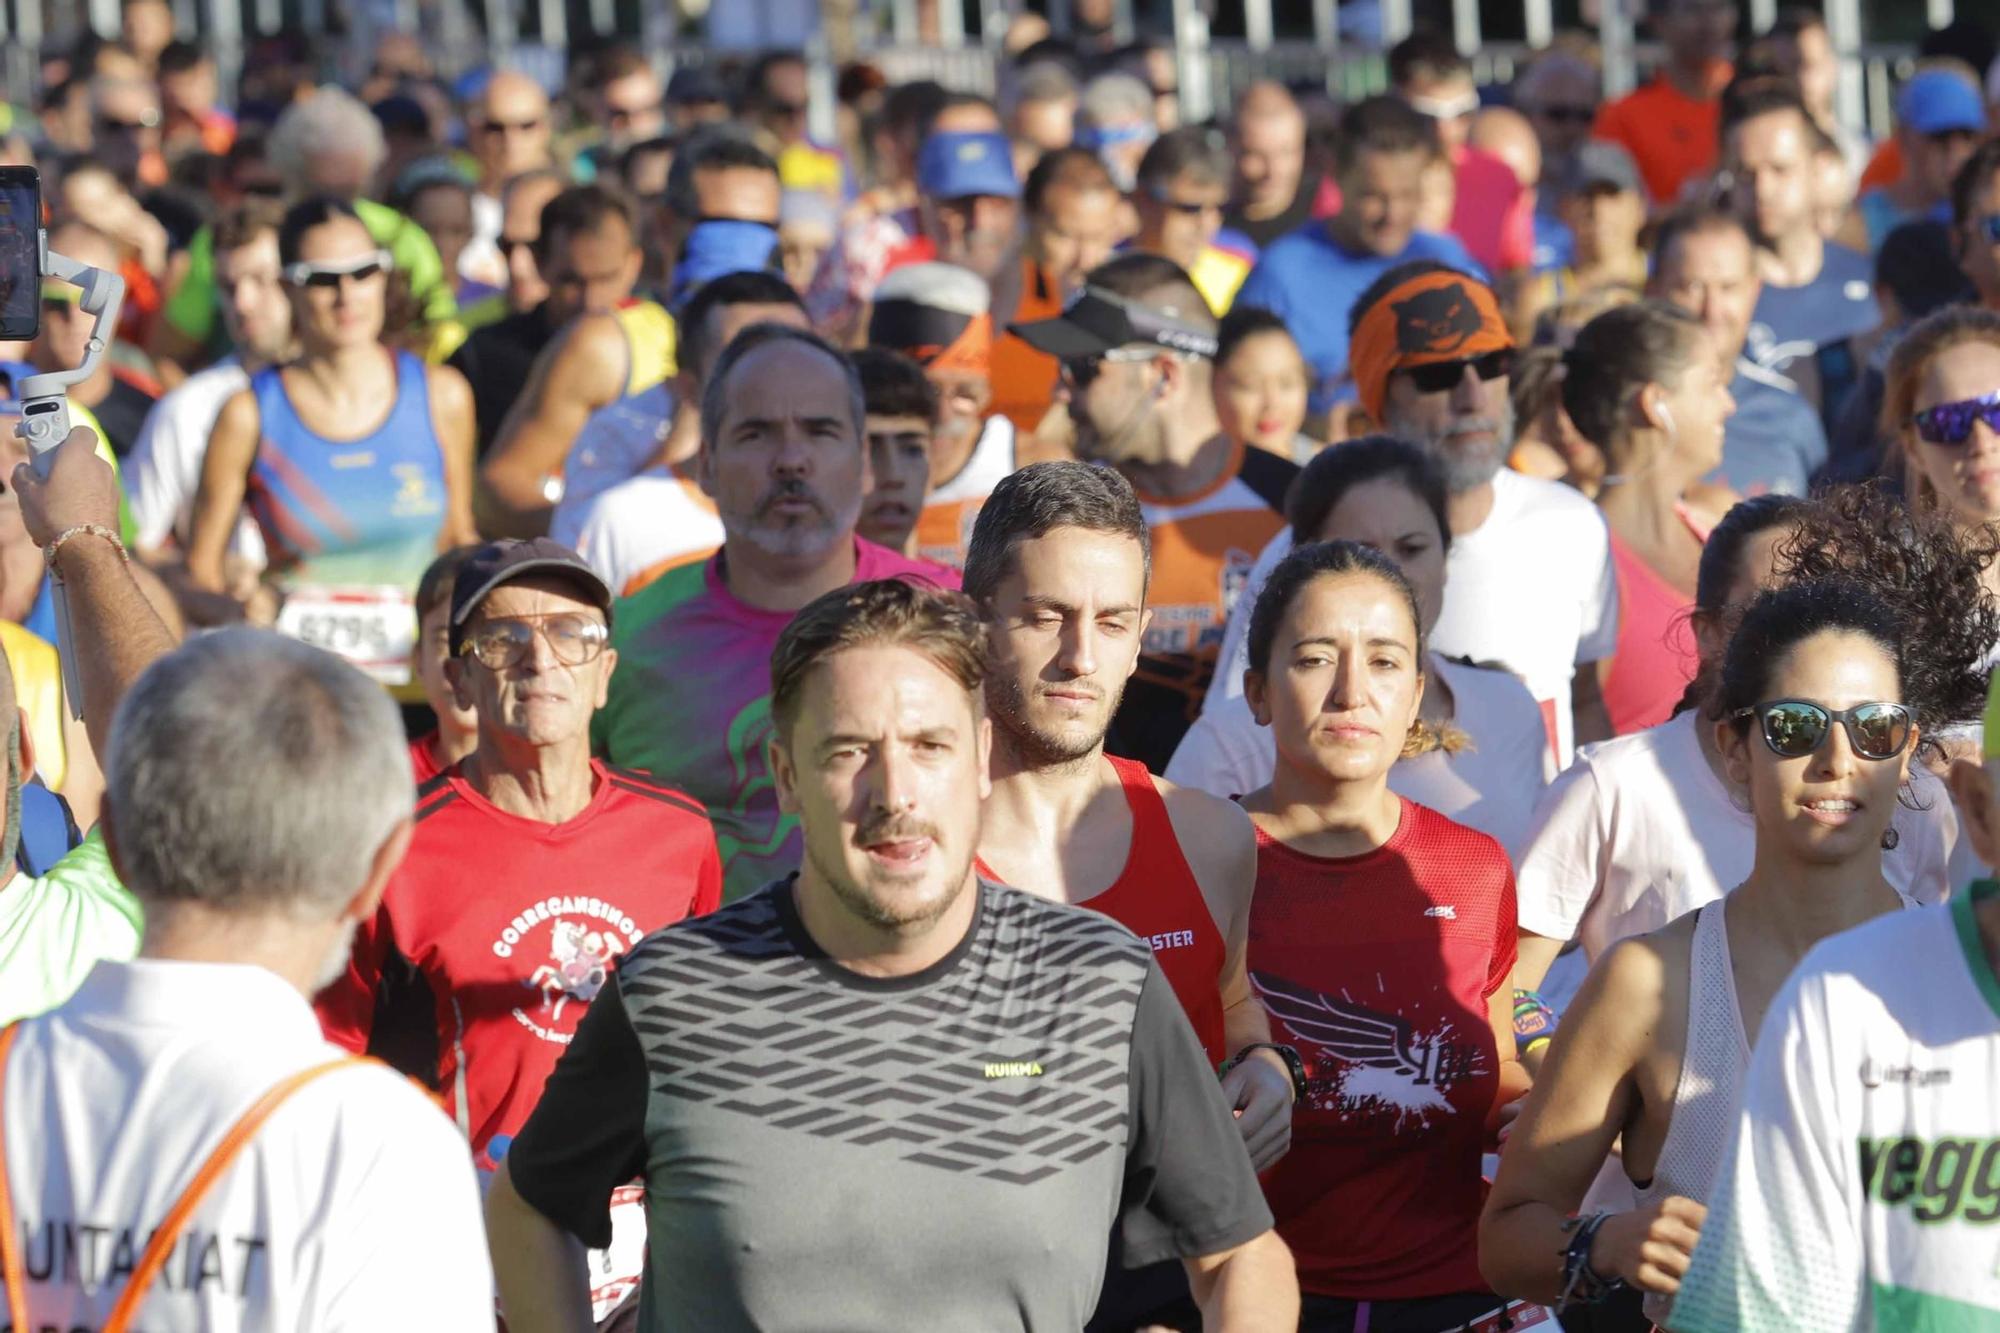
[1295,1064]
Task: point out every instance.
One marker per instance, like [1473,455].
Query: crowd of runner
[1373,718]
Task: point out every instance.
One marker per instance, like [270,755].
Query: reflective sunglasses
[500,644]
[1082,371]
[305,274]
[1444,376]
[1950,424]
[1990,224]
[1795,728]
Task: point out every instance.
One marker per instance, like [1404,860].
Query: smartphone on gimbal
[20,253]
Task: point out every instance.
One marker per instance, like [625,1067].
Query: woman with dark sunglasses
[354,459]
[1645,828]
[1644,384]
[1942,407]
[1818,728]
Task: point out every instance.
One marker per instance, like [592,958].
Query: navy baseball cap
[1099,321]
[693,85]
[504,561]
[1936,101]
[956,163]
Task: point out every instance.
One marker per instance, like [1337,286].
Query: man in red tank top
[1058,562]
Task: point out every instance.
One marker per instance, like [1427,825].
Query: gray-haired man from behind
[180,1143]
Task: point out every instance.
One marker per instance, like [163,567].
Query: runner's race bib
[373,627]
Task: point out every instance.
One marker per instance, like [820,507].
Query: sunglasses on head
[1795,728]
[1444,376]
[1951,423]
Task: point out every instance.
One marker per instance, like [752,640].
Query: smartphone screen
[20,253]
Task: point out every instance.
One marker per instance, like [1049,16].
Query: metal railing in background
[466,33]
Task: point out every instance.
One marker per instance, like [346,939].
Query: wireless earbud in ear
[1667,420]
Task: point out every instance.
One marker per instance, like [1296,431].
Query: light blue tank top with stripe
[349,512]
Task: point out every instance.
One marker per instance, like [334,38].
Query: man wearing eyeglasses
[507,127]
[627,104]
[501,347]
[1559,93]
[1136,351]
[533,869]
[1183,187]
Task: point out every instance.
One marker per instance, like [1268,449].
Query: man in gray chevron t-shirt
[884,1093]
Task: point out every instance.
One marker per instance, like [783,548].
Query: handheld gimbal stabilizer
[45,411]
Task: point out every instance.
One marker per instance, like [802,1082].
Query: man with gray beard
[1529,583]
[783,455]
[178,1137]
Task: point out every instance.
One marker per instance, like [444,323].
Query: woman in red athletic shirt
[1382,943]
[1645,385]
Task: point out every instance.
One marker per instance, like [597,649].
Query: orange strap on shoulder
[12,1270]
[168,1234]
[238,1137]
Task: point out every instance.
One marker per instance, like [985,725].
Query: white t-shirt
[1863,1187]
[353,1208]
[656,516]
[163,472]
[1491,787]
[1640,831]
[1530,589]
[615,444]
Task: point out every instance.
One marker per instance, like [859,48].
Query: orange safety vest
[161,1246]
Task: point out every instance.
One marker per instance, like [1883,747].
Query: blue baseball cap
[1936,101]
[718,247]
[954,164]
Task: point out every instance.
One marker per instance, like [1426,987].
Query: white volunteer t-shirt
[614,445]
[353,1208]
[1490,787]
[1530,589]
[1862,1191]
[163,472]
[1640,831]
[656,516]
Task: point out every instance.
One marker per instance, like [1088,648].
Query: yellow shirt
[649,332]
[39,691]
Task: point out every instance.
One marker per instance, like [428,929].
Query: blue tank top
[363,511]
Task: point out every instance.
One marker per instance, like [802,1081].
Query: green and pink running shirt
[690,703]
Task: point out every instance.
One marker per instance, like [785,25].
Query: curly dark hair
[1927,570]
